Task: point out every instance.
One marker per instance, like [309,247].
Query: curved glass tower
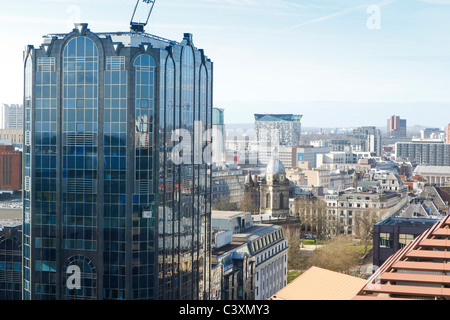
[108,212]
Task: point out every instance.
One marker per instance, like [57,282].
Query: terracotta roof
[418,271]
[320,284]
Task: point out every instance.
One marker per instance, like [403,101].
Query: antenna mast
[138,26]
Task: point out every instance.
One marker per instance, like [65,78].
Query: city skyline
[322,61]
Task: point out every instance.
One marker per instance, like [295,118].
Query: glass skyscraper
[286,128]
[108,213]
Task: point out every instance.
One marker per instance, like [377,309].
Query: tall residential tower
[396,127]
[108,213]
[367,139]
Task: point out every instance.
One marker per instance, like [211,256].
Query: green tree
[364,226]
[338,254]
[224,205]
[248,204]
[312,215]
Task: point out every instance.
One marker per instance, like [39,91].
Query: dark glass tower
[108,212]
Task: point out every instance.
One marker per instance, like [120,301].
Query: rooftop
[227,248]
[432,169]
[418,271]
[128,38]
[256,231]
[432,194]
[320,284]
[227,214]
[404,221]
[444,192]
[278,117]
[424,209]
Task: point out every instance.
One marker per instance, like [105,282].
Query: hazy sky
[337,62]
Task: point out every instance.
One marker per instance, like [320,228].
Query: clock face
[281,178]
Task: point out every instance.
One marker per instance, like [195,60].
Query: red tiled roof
[418,271]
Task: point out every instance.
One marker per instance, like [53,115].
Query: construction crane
[138,26]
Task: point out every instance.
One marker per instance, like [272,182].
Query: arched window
[170,103]
[268,200]
[187,89]
[80,142]
[80,279]
[145,67]
[80,85]
[281,201]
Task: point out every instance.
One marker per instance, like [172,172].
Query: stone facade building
[275,190]
[344,208]
[252,264]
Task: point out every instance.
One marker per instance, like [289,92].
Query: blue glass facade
[11,262]
[28,106]
[102,193]
[115,177]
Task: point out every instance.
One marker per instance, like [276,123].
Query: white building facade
[270,249]
[435,175]
[11,116]
[267,246]
[367,139]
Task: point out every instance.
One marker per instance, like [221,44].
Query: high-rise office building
[396,127]
[219,136]
[367,139]
[282,128]
[274,131]
[110,211]
[11,116]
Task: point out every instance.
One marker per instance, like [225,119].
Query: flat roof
[395,221]
[278,117]
[227,214]
[128,38]
[256,231]
[432,169]
[227,248]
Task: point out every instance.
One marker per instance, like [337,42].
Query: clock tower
[274,190]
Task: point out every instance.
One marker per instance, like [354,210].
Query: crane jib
[138,26]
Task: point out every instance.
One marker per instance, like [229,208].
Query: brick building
[10,168]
